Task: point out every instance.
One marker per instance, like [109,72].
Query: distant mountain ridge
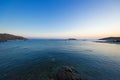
[5,37]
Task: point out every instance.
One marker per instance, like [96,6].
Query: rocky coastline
[111,39]
[5,37]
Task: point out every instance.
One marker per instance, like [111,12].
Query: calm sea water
[35,59]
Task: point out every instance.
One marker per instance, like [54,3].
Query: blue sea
[34,59]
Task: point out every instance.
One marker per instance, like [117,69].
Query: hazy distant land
[5,37]
[110,40]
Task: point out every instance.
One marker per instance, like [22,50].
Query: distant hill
[5,37]
[112,39]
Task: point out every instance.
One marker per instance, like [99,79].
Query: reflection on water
[35,59]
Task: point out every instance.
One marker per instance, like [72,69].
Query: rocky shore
[111,39]
[5,37]
[114,40]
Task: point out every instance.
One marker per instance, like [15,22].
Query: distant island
[111,39]
[5,37]
[72,39]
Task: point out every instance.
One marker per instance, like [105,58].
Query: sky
[60,18]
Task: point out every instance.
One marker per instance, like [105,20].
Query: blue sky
[60,18]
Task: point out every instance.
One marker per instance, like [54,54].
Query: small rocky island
[111,39]
[72,39]
[5,37]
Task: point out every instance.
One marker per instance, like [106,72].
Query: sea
[35,59]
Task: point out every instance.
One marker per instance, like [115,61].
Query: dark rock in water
[67,73]
[5,37]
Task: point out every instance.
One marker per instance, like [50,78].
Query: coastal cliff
[5,37]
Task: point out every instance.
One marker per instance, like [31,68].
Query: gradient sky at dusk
[60,18]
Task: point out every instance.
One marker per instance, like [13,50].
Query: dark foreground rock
[5,37]
[67,73]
